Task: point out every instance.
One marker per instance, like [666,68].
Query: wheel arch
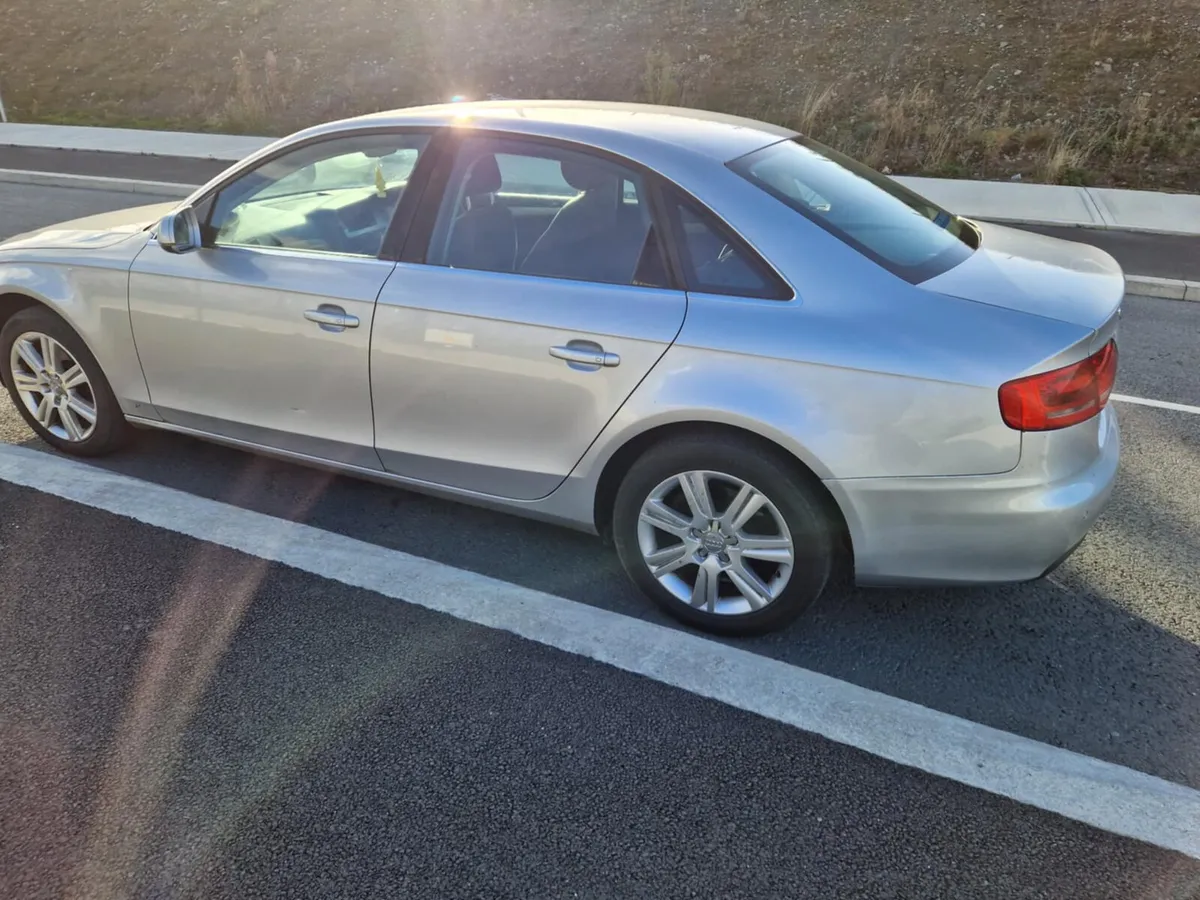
[93,300]
[44,286]
[12,302]
[619,462]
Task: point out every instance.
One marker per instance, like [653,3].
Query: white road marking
[1157,404]
[1111,797]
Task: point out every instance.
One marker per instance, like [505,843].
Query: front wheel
[723,534]
[57,385]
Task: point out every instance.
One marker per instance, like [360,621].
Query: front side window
[526,208]
[897,228]
[337,196]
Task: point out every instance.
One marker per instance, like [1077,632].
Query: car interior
[342,204]
[565,219]
[571,218]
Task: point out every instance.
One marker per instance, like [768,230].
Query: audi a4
[748,361]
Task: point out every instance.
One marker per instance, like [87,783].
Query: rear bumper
[988,529]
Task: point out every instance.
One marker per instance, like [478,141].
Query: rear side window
[528,208]
[885,221]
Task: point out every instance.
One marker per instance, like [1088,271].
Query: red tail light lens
[1062,397]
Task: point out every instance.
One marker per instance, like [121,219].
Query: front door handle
[587,356]
[331,318]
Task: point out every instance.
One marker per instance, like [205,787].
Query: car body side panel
[226,345]
[851,398]
[91,292]
[842,391]
[984,529]
[466,393]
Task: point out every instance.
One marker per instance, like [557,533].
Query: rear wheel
[724,534]
[57,385]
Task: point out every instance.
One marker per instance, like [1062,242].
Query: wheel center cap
[712,542]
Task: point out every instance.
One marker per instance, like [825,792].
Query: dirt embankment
[1078,91]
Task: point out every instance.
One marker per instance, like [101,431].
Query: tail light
[1062,397]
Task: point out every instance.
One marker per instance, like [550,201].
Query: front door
[263,335]
[541,303]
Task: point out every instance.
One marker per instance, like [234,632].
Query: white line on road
[1105,795]
[1157,404]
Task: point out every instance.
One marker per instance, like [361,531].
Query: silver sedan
[745,359]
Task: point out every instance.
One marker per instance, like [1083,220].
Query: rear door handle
[586,356]
[331,318]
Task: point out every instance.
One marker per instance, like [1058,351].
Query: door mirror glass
[179,232]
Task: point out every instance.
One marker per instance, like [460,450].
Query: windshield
[885,221]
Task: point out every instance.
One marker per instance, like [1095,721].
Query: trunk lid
[1031,273]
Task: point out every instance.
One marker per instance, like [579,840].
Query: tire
[729,467]
[65,427]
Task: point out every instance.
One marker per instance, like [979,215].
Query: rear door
[516,328]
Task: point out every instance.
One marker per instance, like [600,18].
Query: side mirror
[179,232]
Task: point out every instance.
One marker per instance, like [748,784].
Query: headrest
[484,177]
[584,176]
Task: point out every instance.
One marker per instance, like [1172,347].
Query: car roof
[617,127]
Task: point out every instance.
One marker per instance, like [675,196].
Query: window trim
[420,235]
[401,218]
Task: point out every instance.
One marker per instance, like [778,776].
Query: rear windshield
[883,220]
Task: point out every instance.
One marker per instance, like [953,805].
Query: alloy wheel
[715,542]
[53,386]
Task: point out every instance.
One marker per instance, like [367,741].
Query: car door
[499,354]
[263,334]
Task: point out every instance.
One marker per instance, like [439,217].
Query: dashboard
[347,220]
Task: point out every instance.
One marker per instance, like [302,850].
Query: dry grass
[909,131]
[1062,157]
[814,104]
[1068,89]
[1099,37]
[660,84]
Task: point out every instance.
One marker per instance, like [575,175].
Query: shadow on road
[1056,661]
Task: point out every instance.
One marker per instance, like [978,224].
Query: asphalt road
[28,207]
[112,165]
[1160,255]
[289,737]
[182,720]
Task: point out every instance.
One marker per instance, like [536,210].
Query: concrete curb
[97,183]
[1137,285]
[1029,203]
[1105,209]
[135,141]
[1162,288]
